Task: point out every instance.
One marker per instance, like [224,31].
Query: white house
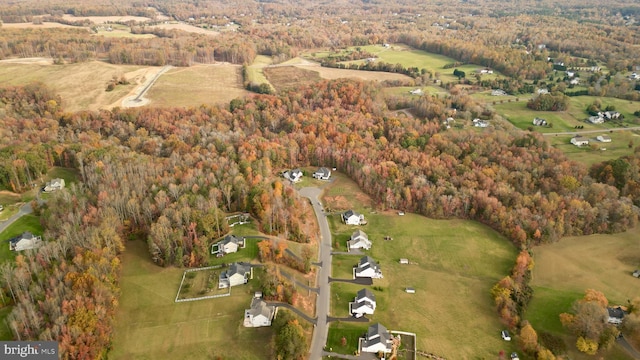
[596,119]
[229,244]
[25,241]
[260,314]
[498,92]
[378,339]
[367,267]
[480,123]
[574,81]
[322,173]
[351,217]
[404,261]
[364,303]
[416,92]
[539,122]
[609,115]
[359,240]
[294,175]
[616,314]
[237,274]
[579,141]
[54,185]
[603,138]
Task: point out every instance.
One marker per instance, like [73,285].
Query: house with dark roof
[378,339]
[351,217]
[294,175]
[229,244]
[260,314]
[322,173]
[25,241]
[367,267]
[364,303]
[359,240]
[238,273]
[616,315]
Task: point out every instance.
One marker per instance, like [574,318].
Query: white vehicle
[514,356]
[505,335]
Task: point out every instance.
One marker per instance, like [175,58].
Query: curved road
[322,303]
[24,210]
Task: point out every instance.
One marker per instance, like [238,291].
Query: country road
[592,131]
[24,210]
[321,330]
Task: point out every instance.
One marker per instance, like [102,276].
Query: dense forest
[168,176]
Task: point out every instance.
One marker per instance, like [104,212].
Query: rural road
[139,99]
[592,131]
[630,349]
[321,330]
[24,210]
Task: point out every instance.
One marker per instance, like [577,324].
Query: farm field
[106,19]
[286,77]
[619,146]
[453,265]
[405,90]
[120,31]
[564,270]
[187,28]
[149,325]
[197,85]
[81,86]
[44,25]
[255,72]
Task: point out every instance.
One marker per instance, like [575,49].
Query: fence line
[200,298]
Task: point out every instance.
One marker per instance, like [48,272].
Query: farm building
[579,141]
[603,138]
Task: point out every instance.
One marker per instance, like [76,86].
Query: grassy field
[121,31]
[149,325]
[564,270]
[255,73]
[619,146]
[11,203]
[453,266]
[81,86]
[285,77]
[24,223]
[197,85]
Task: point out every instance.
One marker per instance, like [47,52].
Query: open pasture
[619,146]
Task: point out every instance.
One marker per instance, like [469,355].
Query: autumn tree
[588,321]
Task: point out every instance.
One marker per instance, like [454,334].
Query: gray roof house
[25,241]
[238,273]
[54,185]
[364,303]
[322,173]
[359,240]
[294,175]
[378,339]
[260,314]
[367,267]
[351,217]
[229,244]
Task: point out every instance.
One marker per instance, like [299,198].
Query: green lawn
[24,223]
[254,71]
[454,264]
[248,254]
[150,325]
[68,174]
[618,147]
[351,332]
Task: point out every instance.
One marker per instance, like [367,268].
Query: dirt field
[197,85]
[106,19]
[284,77]
[187,28]
[71,81]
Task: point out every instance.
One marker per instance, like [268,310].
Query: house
[237,274]
[603,138]
[229,244]
[359,240]
[364,303]
[480,123]
[54,185]
[542,91]
[514,356]
[579,140]
[322,173]
[571,74]
[574,81]
[505,335]
[367,267]
[404,261]
[539,122]
[294,175]
[484,71]
[609,115]
[351,217]
[595,119]
[416,92]
[25,241]
[378,339]
[260,314]
[410,290]
[616,314]
[498,92]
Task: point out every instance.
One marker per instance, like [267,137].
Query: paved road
[321,330]
[601,131]
[24,210]
[630,349]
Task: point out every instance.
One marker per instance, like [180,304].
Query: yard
[453,265]
[564,270]
[201,283]
[24,223]
[150,325]
[618,147]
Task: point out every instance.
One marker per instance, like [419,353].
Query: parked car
[505,335]
[514,356]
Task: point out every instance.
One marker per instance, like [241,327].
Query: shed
[404,261]
[410,290]
[636,273]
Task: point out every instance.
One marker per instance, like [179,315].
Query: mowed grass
[81,86]
[255,73]
[618,147]
[29,223]
[149,325]
[453,265]
[11,203]
[564,270]
[197,85]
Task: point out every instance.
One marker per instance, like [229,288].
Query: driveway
[322,303]
[630,349]
[24,210]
